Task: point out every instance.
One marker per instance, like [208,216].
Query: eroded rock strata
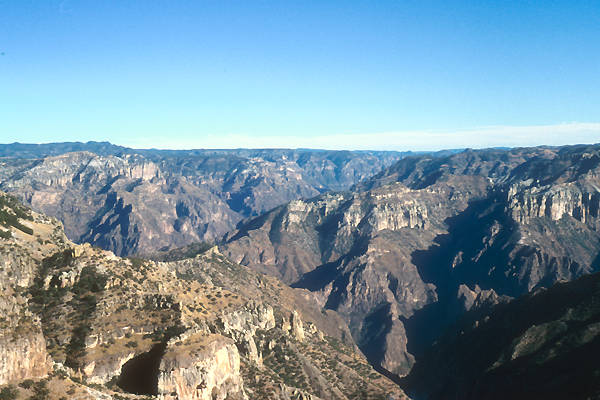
[385,268]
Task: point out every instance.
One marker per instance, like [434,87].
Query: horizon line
[485,137]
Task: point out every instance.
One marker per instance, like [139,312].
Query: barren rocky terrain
[80,322]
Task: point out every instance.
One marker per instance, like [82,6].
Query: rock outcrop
[23,354]
[27,237]
[201,368]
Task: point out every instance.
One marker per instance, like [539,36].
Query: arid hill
[80,322]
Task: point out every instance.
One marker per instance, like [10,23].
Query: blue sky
[333,74]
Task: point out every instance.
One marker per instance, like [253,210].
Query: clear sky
[336,74]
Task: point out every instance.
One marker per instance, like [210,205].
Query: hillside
[80,322]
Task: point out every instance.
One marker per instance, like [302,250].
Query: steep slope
[140,201]
[24,239]
[94,325]
[543,345]
[404,253]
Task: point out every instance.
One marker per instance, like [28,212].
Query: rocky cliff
[140,201]
[90,324]
[25,237]
[404,253]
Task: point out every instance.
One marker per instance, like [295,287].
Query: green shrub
[136,262]
[40,391]
[10,213]
[90,281]
[75,350]
[8,393]
[26,384]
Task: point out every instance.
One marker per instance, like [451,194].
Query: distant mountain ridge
[140,201]
[38,150]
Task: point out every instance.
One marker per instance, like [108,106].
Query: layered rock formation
[140,201]
[404,253]
[201,328]
[387,266]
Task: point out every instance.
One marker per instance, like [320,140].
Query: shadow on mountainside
[464,255]
[140,374]
[541,345]
[319,277]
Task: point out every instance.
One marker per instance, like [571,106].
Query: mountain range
[137,201]
[454,274]
[404,253]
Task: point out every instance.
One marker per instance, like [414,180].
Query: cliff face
[23,352]
[125,204]
[131,202]
[404,253]
[355,252]
[201,328]
[203,368]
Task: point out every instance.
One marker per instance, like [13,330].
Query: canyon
[138,201]
[300,274]
[404,253]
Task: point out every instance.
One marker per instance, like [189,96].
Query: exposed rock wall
[554,202]
[207,370]
[23,354]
